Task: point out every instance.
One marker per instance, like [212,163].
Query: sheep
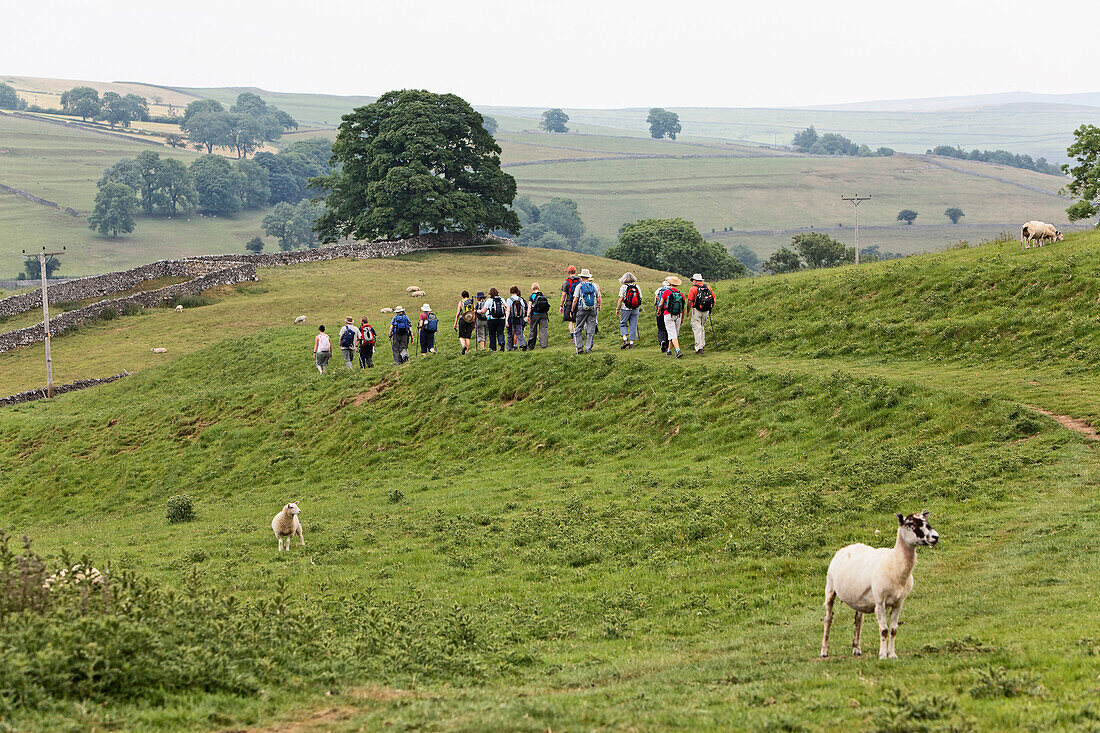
[386,310]
[179,309]
[286,525]
[78,574]
[412,288]
[1039,231]
[417,294]
[300,319]
[876,578]
[159,350]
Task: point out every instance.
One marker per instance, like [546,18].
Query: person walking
[700,304]
[517,319]
[429,324]
[482,326]
[628,308]
[495,314]
[538,315]
[400,333]
[586,311]
[662,334]
[566,305]
[322,349]
[465,320]
[672,308]
[349,341]
[367,338]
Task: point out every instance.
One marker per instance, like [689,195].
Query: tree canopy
[218,185]
[115,208]
[490,124]
[243,128]
[907,215]
[9,99]
[553,120]
[557,224]
[293,225]
[1085,171]
[163,185]
[415,160]
[662,122]
[954,214]
[820,250]
[782,261]
[81,101]
[674,245]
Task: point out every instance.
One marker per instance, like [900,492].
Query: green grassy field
[545,541]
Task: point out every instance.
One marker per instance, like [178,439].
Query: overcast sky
[569,53]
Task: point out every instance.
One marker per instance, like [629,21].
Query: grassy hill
[546,541]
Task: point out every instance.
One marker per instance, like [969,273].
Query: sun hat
[628,277]
[585,272]
[481,293]
[673,280]
[697,277]
[426,308]
[399,309]
[665,282]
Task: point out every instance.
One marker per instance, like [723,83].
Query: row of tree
[1000,157]
[114,108]
[10,99]
[808,141]
[244,127]
[661,122]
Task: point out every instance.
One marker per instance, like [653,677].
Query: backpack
[674,303]
[632,298]
[704,298]
[587,297]
[401,325]
[540,303]
[519,310]
[432,324]
[496,308]
[466,313]
[368,334]
[476,309]
[572,282]
[347,337]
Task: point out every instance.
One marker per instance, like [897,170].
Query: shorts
[482,330]
[567,316]
[672,325]
[465,330]
[323,357]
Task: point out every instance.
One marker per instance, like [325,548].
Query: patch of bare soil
[324,718]
[1071,423]
[367,396]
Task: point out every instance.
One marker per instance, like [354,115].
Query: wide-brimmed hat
[399,309]
[481,293]
[628,277]
[697,277]
[673,280]
[585,272]
[349,319]
[426,308]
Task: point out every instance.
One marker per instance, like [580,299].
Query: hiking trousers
[427,340]
[672,325]
[515,336]
[366,355]
[540,329]
[349,356]
[496,334]
[585,332]
[400,344]
[628,323]
[698,327]
[662,334]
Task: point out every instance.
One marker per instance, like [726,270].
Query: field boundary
[39,393]
[39,200]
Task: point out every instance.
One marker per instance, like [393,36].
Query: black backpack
[704,299]
[496,308]
[540,303]
[519,310]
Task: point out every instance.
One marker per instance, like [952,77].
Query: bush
[132,309]
[181,509]
[108,314]
[190,301]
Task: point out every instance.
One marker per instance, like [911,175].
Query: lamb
[286,525]
[300,319]
[876,578]
[179,309]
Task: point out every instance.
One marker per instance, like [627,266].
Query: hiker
[322,349]
[495,312]
[367,338]
[349,341]
[465,320]
[586,310]
[538,315]
[400,333]
[628,308]
[700,303]
[672,308]
[429,324]
[662,334]
[482,325]
[517,319]
[566,305]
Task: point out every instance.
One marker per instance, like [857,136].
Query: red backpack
[632,298]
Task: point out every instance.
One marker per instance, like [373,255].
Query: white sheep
[1039,231]
[78,574]
[412,288]
[300,319]
[386,310]
[179,309]
[286,525]
[417,294]
[876,579]
[159,350]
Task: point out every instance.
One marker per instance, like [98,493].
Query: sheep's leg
[883,629]
[830,596]
[894,614]
[856,650]
[301,538]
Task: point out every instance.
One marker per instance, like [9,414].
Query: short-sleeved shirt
[322,343]
[577,290]
[513,298]
[348,327]
[568,287]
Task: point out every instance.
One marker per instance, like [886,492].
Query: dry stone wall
[38,394]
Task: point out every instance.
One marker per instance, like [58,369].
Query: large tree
[415,160]
[199,106]
[821,250]
[662,122]
[954,214]
[674,245]
[782,261]
[805,139]
[1085,186]
[116,205]
[9,99]
[490,124]
[82,101]
[293,225]
[907,215]
[218,185]
[210,129]
[553,120]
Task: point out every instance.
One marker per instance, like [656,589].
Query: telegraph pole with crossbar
[43,257]
[856,201]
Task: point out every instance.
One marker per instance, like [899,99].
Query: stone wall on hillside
[40,393]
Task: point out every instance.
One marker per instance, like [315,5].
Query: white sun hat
[426,308]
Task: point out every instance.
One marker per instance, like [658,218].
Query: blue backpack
[588,297]
[401,325]
[431,325]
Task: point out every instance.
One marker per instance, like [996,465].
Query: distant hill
[929,104]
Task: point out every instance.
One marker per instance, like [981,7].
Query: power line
[44,257]
[856,201]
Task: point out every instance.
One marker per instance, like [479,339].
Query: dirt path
[1070,423]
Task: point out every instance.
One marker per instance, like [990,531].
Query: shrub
[994,682]
[190,301]
[108,314]
[132,309]
[181,509]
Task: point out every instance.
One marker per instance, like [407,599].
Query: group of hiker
[522,323]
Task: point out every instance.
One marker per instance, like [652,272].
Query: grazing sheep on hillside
[417,294]
[78,574]
[286,525]
[386,310]
[412,288]
[1039,231]
[300,319]
[159,350]
[876,579]
[179,309]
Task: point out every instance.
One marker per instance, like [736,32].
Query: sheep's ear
[925,513]
[901,519]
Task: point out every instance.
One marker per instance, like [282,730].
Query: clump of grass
[181,509]
[132,309]
[900,712]
[190,301]
[396,496]
[994,682]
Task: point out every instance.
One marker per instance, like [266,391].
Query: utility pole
[856,201]
[43,257]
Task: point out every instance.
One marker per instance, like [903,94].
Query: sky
[569,53]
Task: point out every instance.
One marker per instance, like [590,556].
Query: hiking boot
[630,345]
[678,354]
[580,351]
[698,352]
[625,345]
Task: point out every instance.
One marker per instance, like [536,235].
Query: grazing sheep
[417,294]
[159,350]
[875,579]
[386,310]
[1039,231]
[78,574]
[412,288]
[300,319]
[179,309]
[286,525]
